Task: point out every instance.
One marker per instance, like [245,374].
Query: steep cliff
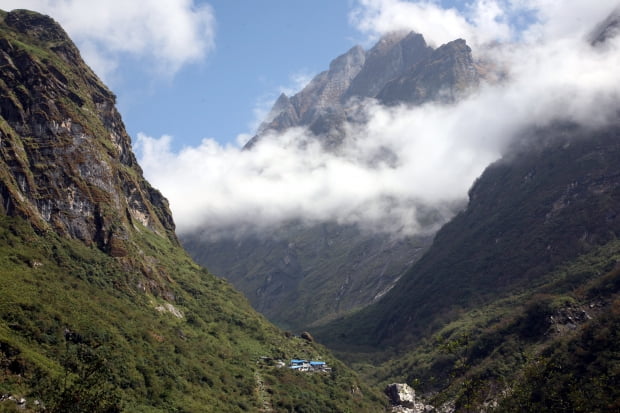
[101,309]
[67,163]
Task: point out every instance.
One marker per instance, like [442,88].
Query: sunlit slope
[101,308]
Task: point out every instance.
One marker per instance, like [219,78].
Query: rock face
[393,56]
[318,104]
[402,397]
[66,161]
[445,75]
[400,394]
[400,68]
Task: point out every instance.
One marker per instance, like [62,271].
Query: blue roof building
[305,365]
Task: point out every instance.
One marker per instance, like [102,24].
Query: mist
[434,151]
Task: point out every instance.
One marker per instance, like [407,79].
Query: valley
[501,298]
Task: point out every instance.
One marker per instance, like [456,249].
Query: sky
[218,79]
[195,78]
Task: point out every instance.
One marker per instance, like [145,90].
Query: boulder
[401,394]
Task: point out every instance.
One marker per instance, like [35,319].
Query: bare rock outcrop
[67,163]
[402,397]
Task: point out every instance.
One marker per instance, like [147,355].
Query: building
[308,366]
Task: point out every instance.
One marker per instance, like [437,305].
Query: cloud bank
[435,151]
[481,22]
[165,34]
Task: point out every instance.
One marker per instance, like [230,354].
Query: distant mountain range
[300,275]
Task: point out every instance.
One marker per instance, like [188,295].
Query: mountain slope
[302,275]
[400,69]
[544,205]
[101,308]
[526,273]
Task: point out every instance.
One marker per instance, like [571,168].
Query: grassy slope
[512,344]
[205,361]
[78,326]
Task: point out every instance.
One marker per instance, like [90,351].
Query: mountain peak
[607,29]
[352,59]
[390,58]
[36,26]
[399,68]
[67,163]
[444,75]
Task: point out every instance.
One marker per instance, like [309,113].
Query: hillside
[301,274]
[102,310]
[516,301]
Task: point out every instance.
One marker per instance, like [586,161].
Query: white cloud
[377,17]
[438,150]
[167,34]
[565,19]
[481,22]
[438,154]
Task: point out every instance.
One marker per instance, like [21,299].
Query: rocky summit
[400,69]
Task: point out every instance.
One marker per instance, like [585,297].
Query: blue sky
[251,52]
[261,47]
[244,54]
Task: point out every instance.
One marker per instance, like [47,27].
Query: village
[302,365]
[309,366]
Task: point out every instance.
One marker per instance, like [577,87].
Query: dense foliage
[67,309]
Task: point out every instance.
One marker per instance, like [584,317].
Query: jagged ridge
[400,69]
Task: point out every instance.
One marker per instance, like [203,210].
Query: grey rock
[400,394]
[402,397]
[68,159]
[400,68]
